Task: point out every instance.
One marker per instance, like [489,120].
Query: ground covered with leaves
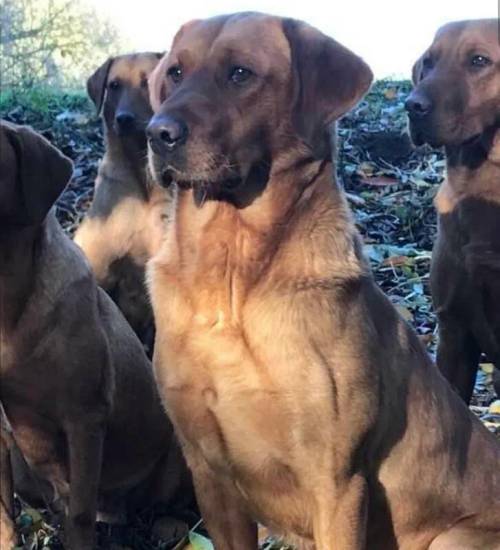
[390,187]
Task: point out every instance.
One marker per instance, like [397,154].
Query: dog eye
[238,75]
[175,73]
[480,61]
[428,63]
[114,85]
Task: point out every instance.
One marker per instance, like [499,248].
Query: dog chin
[420,137]
[416,138]
[209,181]
[452,140]
[166,173]
[157,170]
[434,142]
[210,185]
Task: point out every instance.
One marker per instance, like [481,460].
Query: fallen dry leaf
[390,93]
[379,181]
[495,407]
[397,261]
[487,368]
[404,312]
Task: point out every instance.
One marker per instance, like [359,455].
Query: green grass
[42,104]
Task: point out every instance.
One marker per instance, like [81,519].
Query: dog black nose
[166,133]
[418,105]
[124,119]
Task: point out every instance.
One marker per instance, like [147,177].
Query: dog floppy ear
[43,172]
[328,81]
[96,84]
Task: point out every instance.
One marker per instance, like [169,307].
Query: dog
[302,400]
[77,388]
[455,104]
[125,223]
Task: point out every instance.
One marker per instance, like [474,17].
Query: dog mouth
[232,182]
[431,134]
[211,184]
[417,137]
[421,136]
[473,140]
[209,177]
[460,134]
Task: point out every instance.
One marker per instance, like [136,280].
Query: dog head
[238,90]
[456,94]
[119,87]
[33,174]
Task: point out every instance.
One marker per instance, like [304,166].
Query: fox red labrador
[302,400]
[456,105]
[125,223]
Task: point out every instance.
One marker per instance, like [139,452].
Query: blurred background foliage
[52,43]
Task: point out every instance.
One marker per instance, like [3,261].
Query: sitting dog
[456,104]
[302,399]
[77,388]
[124,226]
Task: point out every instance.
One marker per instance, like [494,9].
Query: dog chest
[468,245]
[257,431]
[246,397]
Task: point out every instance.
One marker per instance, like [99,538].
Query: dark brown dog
[301,398]
[456,104]
[125,224]
[76,386]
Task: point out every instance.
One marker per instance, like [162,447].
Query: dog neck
[473,171]
[126,158]
[301,213]
[18,256]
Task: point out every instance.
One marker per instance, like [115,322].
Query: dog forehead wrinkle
[261,39]
[187,57]
[132,68]
[480,31]
[245,33]
[453,29]
[198,37]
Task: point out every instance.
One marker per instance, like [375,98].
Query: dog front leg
[85,443]
[342,526]
[224,513]
[93,238]
[457,356]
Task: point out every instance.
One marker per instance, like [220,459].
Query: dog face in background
[457,85]
[23,201]
[119,88]
[236,91]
